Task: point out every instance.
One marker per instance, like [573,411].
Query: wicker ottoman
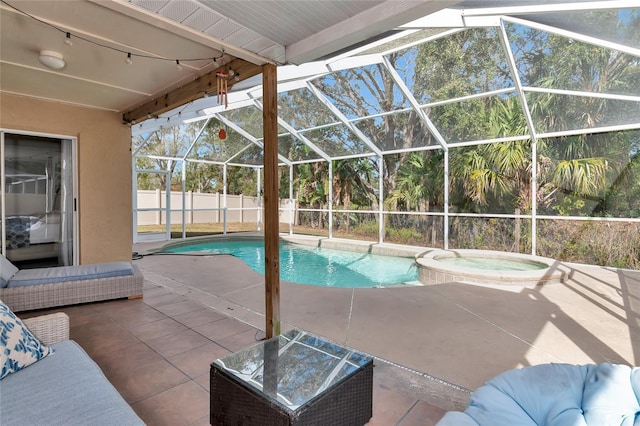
[292,379]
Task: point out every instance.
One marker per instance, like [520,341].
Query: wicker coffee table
[292,379]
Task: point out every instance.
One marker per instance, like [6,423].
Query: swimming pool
[319,266]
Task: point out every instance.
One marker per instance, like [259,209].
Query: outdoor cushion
[67,388]
[59,274]
[555,395]
[18,347]
[7,271]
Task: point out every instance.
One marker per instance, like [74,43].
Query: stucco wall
[104,169]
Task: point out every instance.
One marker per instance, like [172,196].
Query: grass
[198,229]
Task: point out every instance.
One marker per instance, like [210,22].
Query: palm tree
[352,184]
[420,181]
[419,186]
[311,187]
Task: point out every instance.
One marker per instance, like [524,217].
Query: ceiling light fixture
[51,59]
[128,60]
[178,66]
[67,40]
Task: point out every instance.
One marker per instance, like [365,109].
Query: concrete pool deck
[459,333]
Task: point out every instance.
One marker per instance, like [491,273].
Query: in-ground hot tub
[487,267]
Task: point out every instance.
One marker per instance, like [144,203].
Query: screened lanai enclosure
[504,129]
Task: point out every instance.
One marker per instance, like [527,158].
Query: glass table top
[294,367]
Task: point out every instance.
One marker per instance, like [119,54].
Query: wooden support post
[271,213]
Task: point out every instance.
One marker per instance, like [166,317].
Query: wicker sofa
[29,289]
[65,388]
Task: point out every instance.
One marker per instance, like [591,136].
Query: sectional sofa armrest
[49,329]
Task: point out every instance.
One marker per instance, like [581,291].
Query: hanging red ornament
[222,134]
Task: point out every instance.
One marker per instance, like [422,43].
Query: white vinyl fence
[201,208]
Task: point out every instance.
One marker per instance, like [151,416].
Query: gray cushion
[65,388]
[7,271]
[555,395]
[70,273]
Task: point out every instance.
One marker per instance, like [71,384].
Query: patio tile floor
[157,351]
[431,343]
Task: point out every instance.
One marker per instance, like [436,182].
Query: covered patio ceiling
[122,55]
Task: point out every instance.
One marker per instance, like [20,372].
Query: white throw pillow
[19,348]
[7,271]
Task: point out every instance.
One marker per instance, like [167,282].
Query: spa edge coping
[434,272]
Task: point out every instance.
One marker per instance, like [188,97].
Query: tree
[353,185]
[367,90]
[168,146]
[577,170]
[420,183]
[160,143]
[579,166]
[242,180]
[311,187]
[204,178]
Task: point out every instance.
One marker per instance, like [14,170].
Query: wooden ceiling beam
[191,91]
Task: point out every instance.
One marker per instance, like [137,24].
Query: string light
[69,42]
[177,115]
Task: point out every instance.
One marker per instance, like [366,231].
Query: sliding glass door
[37,203]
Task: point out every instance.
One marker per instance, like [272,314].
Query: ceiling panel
[178,10]
[58,86]
[287,22]
[202,19]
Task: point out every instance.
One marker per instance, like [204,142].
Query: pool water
[320,266]
[487,263]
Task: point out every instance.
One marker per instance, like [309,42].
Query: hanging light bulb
[129,59]
[178,66]
[67,40]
